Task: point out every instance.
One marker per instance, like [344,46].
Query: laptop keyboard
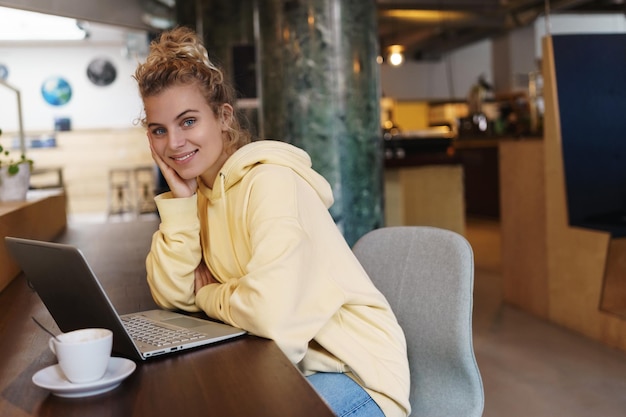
[145,330]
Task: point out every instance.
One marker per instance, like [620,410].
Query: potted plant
[14,175]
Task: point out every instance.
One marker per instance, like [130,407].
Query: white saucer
[52,378]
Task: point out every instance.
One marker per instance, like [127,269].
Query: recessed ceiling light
[396,55]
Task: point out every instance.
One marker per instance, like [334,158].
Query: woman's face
[185,132]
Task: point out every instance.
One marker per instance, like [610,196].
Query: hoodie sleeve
[175,253]
[283,294]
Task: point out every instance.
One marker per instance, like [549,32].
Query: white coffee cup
[83,354]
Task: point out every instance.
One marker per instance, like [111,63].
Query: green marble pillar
[318,87]
[321,92]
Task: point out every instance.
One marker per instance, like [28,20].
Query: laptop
[70,290]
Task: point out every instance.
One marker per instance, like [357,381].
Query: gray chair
[427,275]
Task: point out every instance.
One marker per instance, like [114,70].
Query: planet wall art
[101,72]
[56,91]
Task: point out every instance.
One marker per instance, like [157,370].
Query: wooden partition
[524,225]
[614,289]
[425,195]
[550,268]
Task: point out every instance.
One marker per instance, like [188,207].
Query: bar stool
[145,185]
[120,200]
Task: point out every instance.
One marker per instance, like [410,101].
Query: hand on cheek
[179,186]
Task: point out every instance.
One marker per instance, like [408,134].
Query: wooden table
[248,376]
[42,216]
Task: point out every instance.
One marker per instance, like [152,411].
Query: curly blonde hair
[178,57]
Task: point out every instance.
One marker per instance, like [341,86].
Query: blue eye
[158,131]
[189,122]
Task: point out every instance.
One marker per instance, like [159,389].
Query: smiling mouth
[184,157]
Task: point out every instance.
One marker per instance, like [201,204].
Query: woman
[246,237]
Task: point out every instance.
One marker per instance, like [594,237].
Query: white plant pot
[14,187]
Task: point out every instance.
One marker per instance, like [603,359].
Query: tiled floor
[532,368]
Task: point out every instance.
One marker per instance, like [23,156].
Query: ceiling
[427,29]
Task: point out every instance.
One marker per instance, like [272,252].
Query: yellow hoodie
[285,271]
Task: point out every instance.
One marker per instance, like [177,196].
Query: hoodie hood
[267,152]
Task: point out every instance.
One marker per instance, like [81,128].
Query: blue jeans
[344,396]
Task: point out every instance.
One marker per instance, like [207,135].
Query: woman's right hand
[202,277]
[179,186]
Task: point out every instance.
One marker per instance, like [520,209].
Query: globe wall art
[56,91]
[101,72]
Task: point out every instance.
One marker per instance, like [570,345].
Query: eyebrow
[184,113]
[177,117]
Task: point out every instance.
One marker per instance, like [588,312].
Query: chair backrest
[427,275]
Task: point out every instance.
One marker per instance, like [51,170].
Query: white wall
[91,106]
[570,24]
[449,78]
[522,54]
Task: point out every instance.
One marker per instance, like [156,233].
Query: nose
[176,139]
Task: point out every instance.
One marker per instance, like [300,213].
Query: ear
[226,117]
